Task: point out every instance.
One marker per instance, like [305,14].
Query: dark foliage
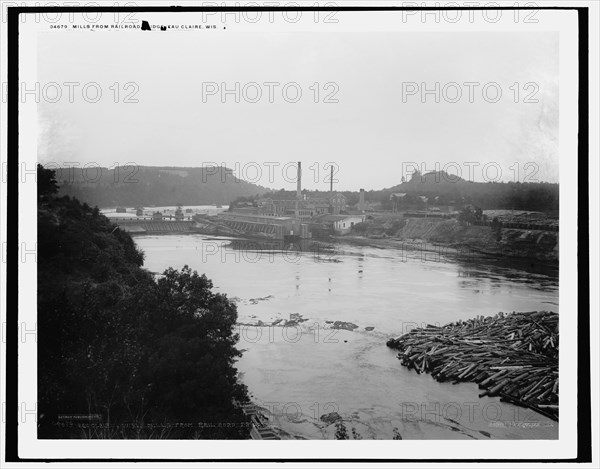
[442,189]
[142,353]
[360,228]
[469,215]
[496,226]
[340,431]
[46,180]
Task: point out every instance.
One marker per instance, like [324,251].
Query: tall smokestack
[361,200]
[299,182]
[331,180]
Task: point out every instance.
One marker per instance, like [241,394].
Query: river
[300,372]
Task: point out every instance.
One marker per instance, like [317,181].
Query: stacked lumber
[514,356]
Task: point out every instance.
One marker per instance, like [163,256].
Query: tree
[340,431]
[191,349]
[46,182]
[116,342]
[496,226]
[360,228]
[470,214]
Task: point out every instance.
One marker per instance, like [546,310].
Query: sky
[369,120]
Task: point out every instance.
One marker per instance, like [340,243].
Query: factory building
[340,224]
[292,214]
[302,207]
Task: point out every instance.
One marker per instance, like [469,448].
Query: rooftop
[329,217]
[252,215]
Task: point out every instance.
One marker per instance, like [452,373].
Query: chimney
[299,182]
[331,180]
[361,200]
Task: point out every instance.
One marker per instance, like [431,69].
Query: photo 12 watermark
[71,92]
[472,171]
[469,92]
[270,92]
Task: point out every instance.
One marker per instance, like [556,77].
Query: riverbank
[430,239]
[451,238]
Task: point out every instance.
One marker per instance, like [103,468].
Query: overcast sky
[369,133]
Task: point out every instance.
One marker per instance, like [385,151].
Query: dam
[148,225]
[233,224]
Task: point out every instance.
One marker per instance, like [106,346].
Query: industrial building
[290,216]
[340,224]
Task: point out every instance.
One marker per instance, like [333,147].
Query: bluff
[134,185]
[443,189]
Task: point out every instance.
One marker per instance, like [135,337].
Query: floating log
[511,355]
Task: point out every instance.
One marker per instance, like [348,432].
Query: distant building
[285,226]
[121,210]
[303,209]
[338,203]
[341,224]
[139,212]
[299,207]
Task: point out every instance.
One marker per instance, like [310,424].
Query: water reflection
[468,265]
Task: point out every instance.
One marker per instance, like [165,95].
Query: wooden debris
[514,356]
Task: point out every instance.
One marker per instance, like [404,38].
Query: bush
[470,215]
[360,228]
[340,431]
[496,226]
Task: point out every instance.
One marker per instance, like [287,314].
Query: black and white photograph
[299,223]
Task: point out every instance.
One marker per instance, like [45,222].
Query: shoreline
[411,249]
[449,251]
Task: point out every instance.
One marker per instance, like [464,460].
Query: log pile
[514,356]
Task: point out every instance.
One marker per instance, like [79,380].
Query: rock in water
[331,418]
[348,326]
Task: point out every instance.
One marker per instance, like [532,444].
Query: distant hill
[441,188]
[434,181]
[147,185]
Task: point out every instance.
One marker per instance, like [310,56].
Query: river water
[299,372]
